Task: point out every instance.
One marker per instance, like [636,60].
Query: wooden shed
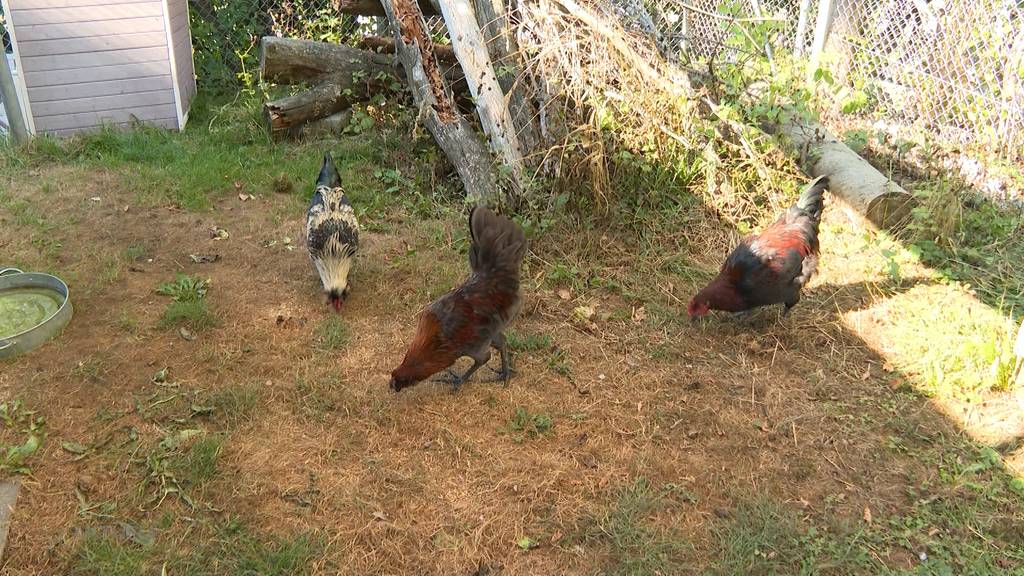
[83,64]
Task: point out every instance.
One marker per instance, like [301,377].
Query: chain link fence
[953,68]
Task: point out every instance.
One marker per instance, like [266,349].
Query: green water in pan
[24,308]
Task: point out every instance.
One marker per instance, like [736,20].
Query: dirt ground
[802,412]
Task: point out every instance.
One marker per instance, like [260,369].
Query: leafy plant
[184,288]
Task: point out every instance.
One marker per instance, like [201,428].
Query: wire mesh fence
[954,68]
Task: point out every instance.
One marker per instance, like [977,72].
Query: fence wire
[955,68]
[952,68]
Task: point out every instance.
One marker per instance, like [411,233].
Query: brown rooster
[772,267]
[471,319]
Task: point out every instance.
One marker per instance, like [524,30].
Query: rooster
[471,319]
[332,233]
[772,267]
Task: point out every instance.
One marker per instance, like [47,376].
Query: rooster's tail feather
[812,200]
[498,243]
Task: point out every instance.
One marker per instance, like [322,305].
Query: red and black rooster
[772,267]
[471,319]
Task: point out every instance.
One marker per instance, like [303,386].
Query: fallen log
[885,203]
[333,124]
[333,94]
[292,61]
[341,75]
[436,103]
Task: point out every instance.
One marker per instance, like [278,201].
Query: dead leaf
[380,516]
[564,294]
[185,334]
[867,515]
[866,374]
[218,233]
[95,199]
[244,197]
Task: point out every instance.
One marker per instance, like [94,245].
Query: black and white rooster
[332,233]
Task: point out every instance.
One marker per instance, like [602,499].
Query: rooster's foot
[503,376]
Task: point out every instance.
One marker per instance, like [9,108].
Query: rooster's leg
[789,305]
[478,361]
[505,373]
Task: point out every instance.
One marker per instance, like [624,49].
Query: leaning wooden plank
[492,17]
[471,50]
[851,178]
[453,134]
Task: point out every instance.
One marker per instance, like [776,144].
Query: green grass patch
[529,342]
[235,403]
[634,545]
[194,314]
[189,307]
[525,424]
[136,252]
[228,550]
[199,463]
[333,333]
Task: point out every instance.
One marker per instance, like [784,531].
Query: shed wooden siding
[89,63]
